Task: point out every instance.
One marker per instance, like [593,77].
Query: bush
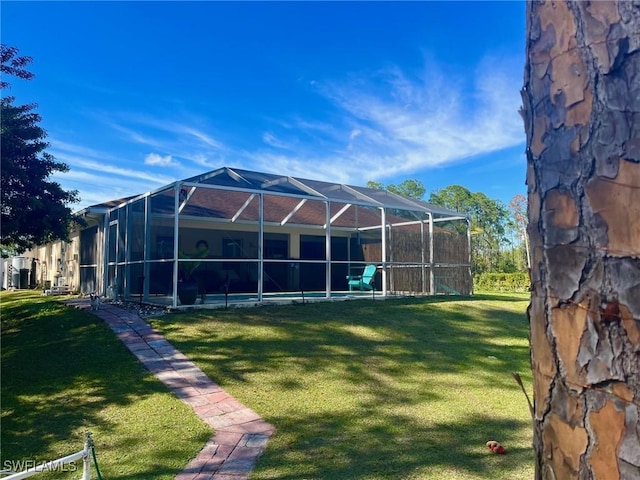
[502,282]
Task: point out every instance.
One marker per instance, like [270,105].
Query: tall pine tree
[581,105]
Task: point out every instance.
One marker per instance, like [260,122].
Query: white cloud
[61,146]
[271,140]
[93,189]
[134,136]
[203,137]
[330,169]
[181,132]
[430,128]
[390,123]
[82,160]
[181,139]
[157,160]
[201,160]
[100,176]
[379,125]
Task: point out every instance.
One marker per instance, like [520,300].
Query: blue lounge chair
[364,281]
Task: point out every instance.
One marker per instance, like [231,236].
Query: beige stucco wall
[57,262]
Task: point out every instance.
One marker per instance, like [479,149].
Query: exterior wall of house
[56,264]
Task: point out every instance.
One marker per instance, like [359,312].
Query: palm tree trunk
[581,106]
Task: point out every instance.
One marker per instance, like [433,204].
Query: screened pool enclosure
[236,235]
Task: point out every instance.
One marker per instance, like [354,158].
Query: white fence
[60,464]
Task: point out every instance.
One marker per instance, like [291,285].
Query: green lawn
[64,372]
[395,389]
[402,389]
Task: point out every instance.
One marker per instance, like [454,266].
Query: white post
[176,246]
[432,276]
[86,461]
[261,247]
[384,251]
[126,268]
[423,276]
[147,248]
[327,243]
[102,269]
[470,255]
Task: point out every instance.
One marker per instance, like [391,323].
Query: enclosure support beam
[391,274]
[105,254]
[423,273]
[293,212]
[384,250]
[260,246]
[359,195]
[469,247]
[449,219]
[184,198]
[242,208]
[176,231]
[328,249]
[126,268]
[147,248]
[432,275]
[342,210]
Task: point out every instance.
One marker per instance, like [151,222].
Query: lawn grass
[64,372]
[393,389]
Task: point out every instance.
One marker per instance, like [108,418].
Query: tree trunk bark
[581,106]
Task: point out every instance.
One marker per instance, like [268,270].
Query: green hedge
[502,282]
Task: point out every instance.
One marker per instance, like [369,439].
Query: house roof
[286,199]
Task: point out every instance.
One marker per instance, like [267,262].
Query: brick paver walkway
[240,434]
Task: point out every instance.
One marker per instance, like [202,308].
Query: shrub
[502,282]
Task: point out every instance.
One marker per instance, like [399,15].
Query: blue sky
[135,95]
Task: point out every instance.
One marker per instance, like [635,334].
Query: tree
[581,106]
[454,197]
[34,208]
[12,64]
[518,208]
[376,185]
[409,188]
[488,220]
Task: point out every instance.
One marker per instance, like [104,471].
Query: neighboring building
[254,235]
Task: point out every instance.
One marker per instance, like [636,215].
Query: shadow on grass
[338,380]
[395,447]
[47,349]
[64,372]
[390,334]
